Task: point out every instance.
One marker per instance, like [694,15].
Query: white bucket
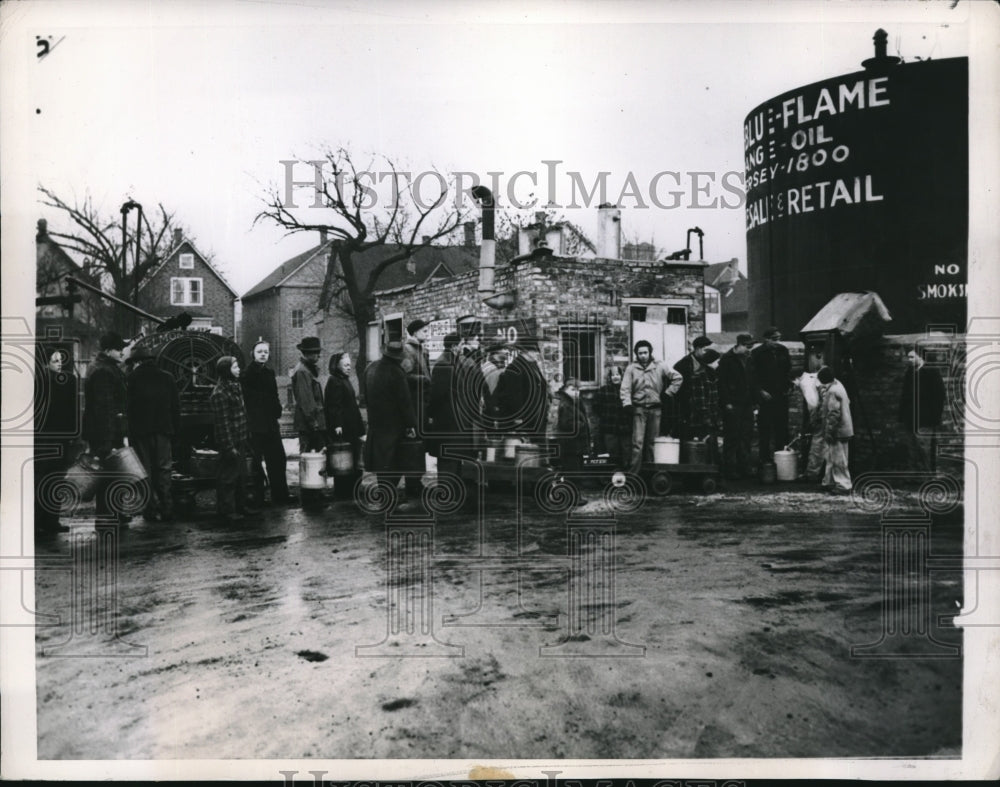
[311,466]
[787,463]
[666,450]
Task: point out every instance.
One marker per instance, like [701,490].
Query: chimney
[470,233]
[487,252]
[425,240]
[43,230]
[609,231]
[881,59]
[322,235]
[178,236]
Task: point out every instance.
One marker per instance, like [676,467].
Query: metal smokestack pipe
[488,251]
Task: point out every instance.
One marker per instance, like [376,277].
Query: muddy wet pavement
[692,627]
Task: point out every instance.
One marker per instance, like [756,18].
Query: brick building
[284,306]
[584,314]
[187,282]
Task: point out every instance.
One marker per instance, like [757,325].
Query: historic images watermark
[571,189]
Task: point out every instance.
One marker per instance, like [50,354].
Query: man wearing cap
[417,366]
[310,418]
[698,399]
[737,396]
[645,381]
[104,409]
[391,416]
[153,419]
[690,365]
[773,369]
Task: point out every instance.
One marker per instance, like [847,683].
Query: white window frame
[186,293]
[302,318]
[598,333]
[187,261]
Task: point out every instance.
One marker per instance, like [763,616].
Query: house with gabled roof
[726,298]
[283,307]
[187,281]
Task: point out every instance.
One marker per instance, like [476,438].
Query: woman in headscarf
[343,420]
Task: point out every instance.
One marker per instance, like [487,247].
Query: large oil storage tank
[858,183]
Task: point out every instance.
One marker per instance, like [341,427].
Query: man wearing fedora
[104,411]
[392,420]
[153,419]
[310,418]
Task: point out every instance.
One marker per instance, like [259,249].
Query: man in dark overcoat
[773,369]
[154,417]
[263,405]
[391,416]
[442,424]
[104,412]
[57,423]
[522,396]
[310,419]
[921,407]
[737,396]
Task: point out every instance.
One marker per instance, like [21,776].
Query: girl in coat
[572,431]
[838,429]
[232,440]
[343,420]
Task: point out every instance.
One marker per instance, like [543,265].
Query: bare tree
[109,257]
[356,221]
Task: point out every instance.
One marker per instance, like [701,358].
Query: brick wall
[558,291]
[217,299]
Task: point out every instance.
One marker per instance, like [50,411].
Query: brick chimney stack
[178,236]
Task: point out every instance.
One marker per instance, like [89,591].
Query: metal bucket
[786,464]
[694,452]
[666,450]
[510,446]
[204,463]
[83,475]
[125,461]
[340,459]
[529,455]
[411,454]
[311,470]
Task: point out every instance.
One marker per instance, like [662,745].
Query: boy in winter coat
[838,429]
[232,440]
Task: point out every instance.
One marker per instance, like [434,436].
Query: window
[187,261]
[712,302]
[677,315]
[581,354]
[185,292]
[296,318]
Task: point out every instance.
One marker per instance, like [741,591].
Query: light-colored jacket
[643,386]
[837,423]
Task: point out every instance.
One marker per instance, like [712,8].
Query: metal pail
[340,459]
[83,475]
[125,461]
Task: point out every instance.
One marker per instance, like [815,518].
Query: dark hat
[393,350]
[771,332]
[416,325]
[571,381]
[702,341]
[310,344]
[112,341]
[825,375]
[745,339]
[710,356]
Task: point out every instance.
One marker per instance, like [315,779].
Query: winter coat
[611,415]
[698,399]
[642,386]
[308,395]
[390,414]
[341,404]
[260,395]
[837,422]
[921,402]
[772,367]
[522,394]
[441,412]
[737,384]
[104,405]
[572,427]
[231,432]
[468,391]
[57,406]
[153,403]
